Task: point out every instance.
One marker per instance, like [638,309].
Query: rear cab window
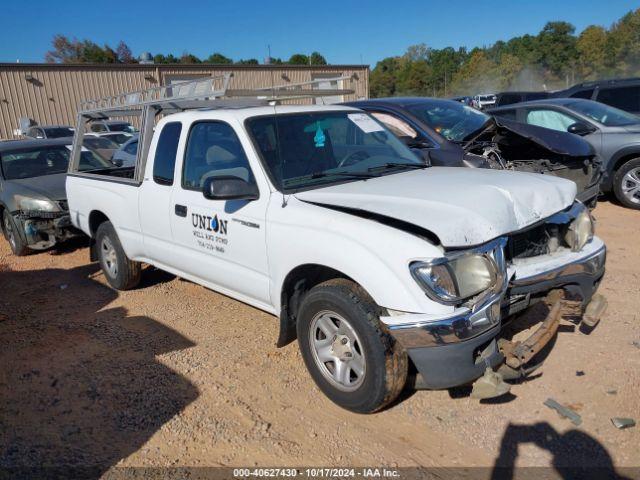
[164,162]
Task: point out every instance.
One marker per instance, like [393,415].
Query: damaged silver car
[33,203]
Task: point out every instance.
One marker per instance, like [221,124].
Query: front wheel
[121,273]
[18,245]
[354,363]
[626,184]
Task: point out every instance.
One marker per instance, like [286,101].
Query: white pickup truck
[378,264]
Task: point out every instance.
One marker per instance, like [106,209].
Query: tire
[12,234]
[121,273]
[626,184]
[358,366]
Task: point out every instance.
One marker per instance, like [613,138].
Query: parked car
[622,93]
[375,262]
[613,133]
[33,203]
[49,131]
[119,138]
[464,100]
[507,98]
[484,101]
[101,126]
[101,145]
[448,133]
[125,156]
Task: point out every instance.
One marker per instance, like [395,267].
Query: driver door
[221,242]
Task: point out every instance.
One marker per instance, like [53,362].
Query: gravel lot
[173,374]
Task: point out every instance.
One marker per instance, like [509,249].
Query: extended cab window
[164,162]
[213,150]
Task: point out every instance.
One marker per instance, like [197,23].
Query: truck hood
[462,207]
[47,186]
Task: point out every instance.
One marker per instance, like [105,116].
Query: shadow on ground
[575,454]
[80,383]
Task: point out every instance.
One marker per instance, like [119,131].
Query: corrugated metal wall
[51,93]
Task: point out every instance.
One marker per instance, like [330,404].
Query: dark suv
[619,93]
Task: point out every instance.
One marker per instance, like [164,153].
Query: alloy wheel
[631,185]
[109,257]
[337,350]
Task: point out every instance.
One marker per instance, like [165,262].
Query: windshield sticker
[365,122]
[319,138]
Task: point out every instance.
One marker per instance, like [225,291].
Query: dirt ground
[172,374]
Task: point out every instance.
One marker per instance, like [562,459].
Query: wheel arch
[620,158]
[296,283]
[96,218]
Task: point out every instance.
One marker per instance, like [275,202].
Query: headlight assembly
[30,204]
[453,280]
[580,231]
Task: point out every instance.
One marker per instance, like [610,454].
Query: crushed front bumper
[456,350]
[42,230]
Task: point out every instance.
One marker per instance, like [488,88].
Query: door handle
[181,210]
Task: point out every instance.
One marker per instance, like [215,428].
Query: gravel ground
[172,374]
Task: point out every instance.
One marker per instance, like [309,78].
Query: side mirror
[580,128]
[228,187]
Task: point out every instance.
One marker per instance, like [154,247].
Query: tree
[592,55]
[218,59]
[556,47]
[383,79]
[316,59]
[249,61]
[123,53]
[64,50]
[189,58]
[298,59]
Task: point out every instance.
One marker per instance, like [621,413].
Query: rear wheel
[11,233]
[121,273]
[626,184]
[354,363]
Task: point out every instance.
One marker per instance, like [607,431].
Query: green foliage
[555,58]
[316,59]
[298,59]
[218,59]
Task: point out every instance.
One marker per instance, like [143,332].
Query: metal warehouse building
[51,93]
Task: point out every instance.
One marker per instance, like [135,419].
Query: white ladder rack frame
[210,92]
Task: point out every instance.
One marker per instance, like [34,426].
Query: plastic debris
[564,411]
[580,373]
[621,423]
[490,385]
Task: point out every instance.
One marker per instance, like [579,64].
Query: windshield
[58,132]
[606,115]
[453,120]
[40,161]
[307,149]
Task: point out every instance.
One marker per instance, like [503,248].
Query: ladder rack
[209,92]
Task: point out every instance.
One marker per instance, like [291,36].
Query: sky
[344,31]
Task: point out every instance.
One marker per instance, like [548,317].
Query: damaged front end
[551,272]
[506,145]
[43,229]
